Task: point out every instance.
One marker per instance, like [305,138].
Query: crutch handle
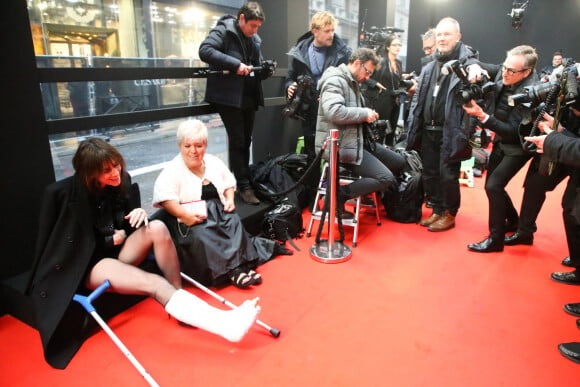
[87,301]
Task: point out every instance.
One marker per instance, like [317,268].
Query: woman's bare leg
[155,235]
[184,306]
[128,279]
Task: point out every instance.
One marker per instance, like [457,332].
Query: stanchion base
[336,253]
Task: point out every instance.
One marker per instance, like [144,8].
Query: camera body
[297,107]
[467,90]
[378,130]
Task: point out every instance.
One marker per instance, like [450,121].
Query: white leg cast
[232,324]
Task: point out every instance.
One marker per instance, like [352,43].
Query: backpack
[405,205]
[272,176]
[283,223]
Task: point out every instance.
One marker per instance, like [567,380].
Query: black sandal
[240,279]
[255,276]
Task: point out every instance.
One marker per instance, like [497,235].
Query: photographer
[342,107]
[314,52]
[507,156]
[233,45]
[387,86]
[563,147]
[436,128]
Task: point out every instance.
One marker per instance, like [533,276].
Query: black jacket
[456,136]
[224,50]
[519,118]
[65,246]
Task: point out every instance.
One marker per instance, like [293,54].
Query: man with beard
[315,51]
[436,127]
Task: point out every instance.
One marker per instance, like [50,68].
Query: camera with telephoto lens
[536,94]
[298,106]
[467,90]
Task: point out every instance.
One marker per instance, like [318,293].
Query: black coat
[223,50]
[456,135]
[64,249]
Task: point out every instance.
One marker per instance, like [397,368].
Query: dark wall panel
[547,26]
[25,156]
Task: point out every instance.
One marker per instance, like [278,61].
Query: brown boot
[431,219]
[249,196]
[446,222]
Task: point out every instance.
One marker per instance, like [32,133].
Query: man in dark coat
[436,127]
[234,46]
[507,122]
[314,52]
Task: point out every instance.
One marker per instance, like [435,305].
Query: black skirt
[210,251]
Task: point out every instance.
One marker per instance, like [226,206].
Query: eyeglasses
[369,73]
[511,71]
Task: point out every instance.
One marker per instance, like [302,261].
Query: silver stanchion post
[331,251]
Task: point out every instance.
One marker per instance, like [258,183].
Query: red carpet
[411,308]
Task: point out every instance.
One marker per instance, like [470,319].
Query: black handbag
[283,223]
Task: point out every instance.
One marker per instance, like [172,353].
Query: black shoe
[570,351]
[488,245]
[573,309]
[518,239]
[511,225]
[570,278]
[566,262]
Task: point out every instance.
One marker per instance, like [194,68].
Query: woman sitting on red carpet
[92,230]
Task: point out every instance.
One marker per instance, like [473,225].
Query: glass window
[125,34]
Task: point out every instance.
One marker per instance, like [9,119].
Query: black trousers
[239,125]
[571,215]
[501,169]
[377,172]
[440,179]
[536,185]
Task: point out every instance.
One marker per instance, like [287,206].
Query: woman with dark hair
[91,230]
[385,87]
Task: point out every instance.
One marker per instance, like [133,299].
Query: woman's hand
[137,217]
[119,237]
[190,218]
[229,204]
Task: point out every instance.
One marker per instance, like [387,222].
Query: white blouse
[177,182]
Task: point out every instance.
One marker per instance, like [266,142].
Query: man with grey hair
[436,129]
[342,107]
[507,155]
[428,39]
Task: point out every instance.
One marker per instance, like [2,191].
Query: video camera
[376,38]
[266,67]
[467,90]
